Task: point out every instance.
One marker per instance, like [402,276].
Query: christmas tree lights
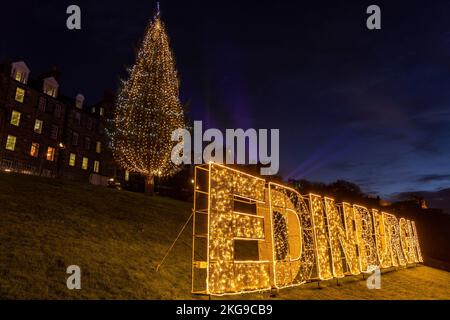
[148,109]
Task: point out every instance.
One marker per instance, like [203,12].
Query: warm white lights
[294,239]
[148,109]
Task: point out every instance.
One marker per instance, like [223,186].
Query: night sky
[371,107]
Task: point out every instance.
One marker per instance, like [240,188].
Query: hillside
[435,199]
[118,238]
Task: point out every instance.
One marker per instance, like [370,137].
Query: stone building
[43,132]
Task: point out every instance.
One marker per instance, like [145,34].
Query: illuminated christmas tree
[148,109]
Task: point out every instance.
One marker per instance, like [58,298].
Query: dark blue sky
[372,107]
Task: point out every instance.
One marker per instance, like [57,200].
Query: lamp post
[59,163]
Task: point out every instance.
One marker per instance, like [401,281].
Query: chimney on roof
[54,72]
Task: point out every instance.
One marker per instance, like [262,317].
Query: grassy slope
[118,238]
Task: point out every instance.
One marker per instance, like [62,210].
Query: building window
[20,71]
[96,166]
[79,100]
[38,124]
[102,111]
[20,95]
[57,111]
[50,91]
[34,151]
[75,138]
[42,104]
[15,118]
[84,165]
[127,175]
[18,76]
[98,147]
[89,124]
[50,87]
[72,159]
[87,143]
[51,154]
[11,143]
[54,132]
[77,117]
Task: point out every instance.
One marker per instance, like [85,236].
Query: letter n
[343,238]
[322,240]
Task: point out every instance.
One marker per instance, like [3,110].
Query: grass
[118,238]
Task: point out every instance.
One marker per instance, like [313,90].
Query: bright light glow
[148,109]
[297,238]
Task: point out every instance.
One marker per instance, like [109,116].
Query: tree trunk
[150,185]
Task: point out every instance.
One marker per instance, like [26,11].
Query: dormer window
[20,72]
[19,76]
[51,87]
[79,101]
[50,91]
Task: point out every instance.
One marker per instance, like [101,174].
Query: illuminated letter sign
[253,235]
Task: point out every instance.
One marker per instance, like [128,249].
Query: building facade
[45,133]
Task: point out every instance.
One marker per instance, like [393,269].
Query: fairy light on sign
[295,238]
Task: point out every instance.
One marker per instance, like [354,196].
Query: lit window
[72,160]
[50,87]
[79,101]
[15,118]
[20,95]
[19,71]
[18,76]
[38,124]
[84,165]
[11,143]
[127,175]
[51,154]
[34,151]
[54,132]
[96,166]
[50,91]
[102,111]
[98,147]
